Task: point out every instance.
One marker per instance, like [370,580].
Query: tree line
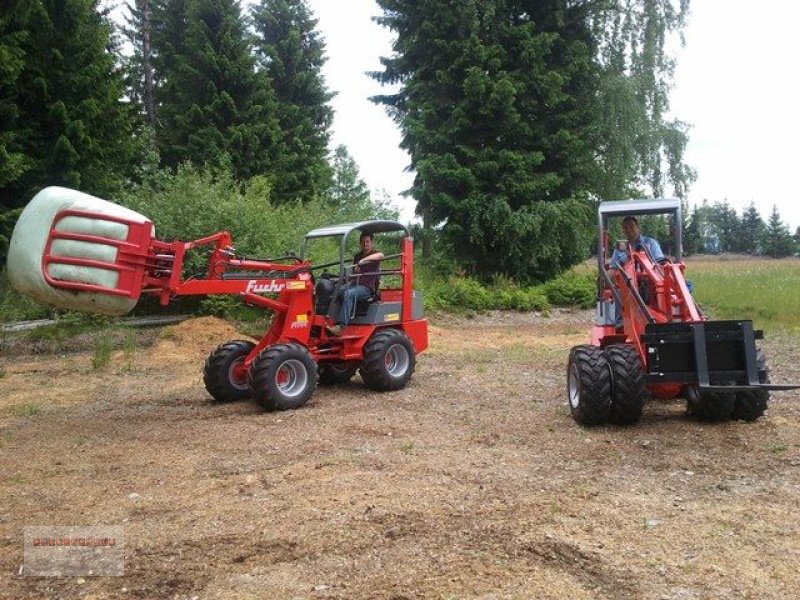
[518,115]
[716,228]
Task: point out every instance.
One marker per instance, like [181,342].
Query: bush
[571,289]
[458,293]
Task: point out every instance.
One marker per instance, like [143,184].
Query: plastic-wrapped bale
[72,250]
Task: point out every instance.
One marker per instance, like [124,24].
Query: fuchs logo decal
[264,288]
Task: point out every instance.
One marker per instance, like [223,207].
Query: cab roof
[656,206]
[371,227]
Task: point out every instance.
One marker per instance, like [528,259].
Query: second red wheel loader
[652,339]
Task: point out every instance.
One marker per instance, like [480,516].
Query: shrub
[571,289]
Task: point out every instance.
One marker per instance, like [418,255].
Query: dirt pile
[192,338]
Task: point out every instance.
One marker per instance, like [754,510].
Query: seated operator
[630,225]
[364,282]
[636,241]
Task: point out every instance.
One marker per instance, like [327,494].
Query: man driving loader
[630,226]
[364,282]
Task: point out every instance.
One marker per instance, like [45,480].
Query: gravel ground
[473,482]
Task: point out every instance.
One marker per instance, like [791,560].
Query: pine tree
[496,108]
[347,189]
[692,239]
[141,80]
[214,109]
[777,241]
[13,33]
[70,123]
[724,222]
[752,230]
[292,53]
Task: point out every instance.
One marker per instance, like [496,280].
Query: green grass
[103,347]
[31,409]
[764,290]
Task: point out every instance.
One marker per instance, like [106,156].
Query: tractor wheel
[751,404]
[589,385]
[389,360]
[710,406]
[335,371]
[627,384]
[224,373]
[283,377]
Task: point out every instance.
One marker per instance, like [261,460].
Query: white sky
[736,84]
[354,45]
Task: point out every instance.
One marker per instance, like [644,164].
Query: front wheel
[589,385]
[627,384]
[751,404]
[224,373]
[283,377]
[710,406]
[389,360]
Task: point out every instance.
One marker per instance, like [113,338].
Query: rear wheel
[589,385]
[336,371]
[627,384]
[224,373]
[283,377]
[751,404]
[389,360]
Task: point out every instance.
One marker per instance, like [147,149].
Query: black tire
[589,385]
[389,360]
[627,384]
[283,377]
[751,404]
[711,406]
[222,372]
[332,372]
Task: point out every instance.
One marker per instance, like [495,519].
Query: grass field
[764,290]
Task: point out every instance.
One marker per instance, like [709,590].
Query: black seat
[362,304]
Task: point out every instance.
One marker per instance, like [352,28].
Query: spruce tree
[777,241]
[291,52]
[347,189]
[140,70]
[13,32]
[69,126]
[496,107]
[214,108]
[692,238]
[752,230]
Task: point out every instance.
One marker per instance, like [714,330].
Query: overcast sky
[736,84]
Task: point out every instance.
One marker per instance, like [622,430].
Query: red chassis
[280,371]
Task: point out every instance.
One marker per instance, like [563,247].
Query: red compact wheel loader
[651,338]
[84,250]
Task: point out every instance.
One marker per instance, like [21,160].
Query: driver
[364,282]
[637,241]
[630,225]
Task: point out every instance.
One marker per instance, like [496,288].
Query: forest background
[518,116]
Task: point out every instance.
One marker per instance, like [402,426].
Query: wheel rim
[237,374]
[397,360]
[574,387]
[291,378]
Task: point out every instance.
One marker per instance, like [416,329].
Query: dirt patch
[473,482]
